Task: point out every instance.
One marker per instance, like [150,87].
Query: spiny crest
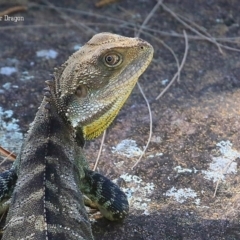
[47,93]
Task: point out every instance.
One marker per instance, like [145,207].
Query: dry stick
[180,68]
[92,14]
[174,34]
[164,44]
[4,160]
[79,25]
[103,3]
[149,16]
[13,10]
[200,28]
[150,126]
[112,19]
[99,151]
[176,75]
[130,27]
[204,31]
[161,94]
[140,88]
[7,154]
[118,21]
[210,39]
[168,48]
[168,34]
[188,26]
[171,82]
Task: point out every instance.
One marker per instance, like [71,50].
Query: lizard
[47,181]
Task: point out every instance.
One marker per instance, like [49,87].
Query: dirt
[195,138]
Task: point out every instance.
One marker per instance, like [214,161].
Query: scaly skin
[51,173]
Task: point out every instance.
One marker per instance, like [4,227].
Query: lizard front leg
[107,196]
[7,183]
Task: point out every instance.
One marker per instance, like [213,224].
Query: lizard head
[93,84]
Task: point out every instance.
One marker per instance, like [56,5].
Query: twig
[150,125]
[233,40]
[3,161]
[7,154]
[140,88]
[87,13]
[180,68]
[13,10]
[168,48]
[126,25]
[210,39]
[78,24]
[194,37]
[189,27]
[148,17]
[99,151]
[102,3]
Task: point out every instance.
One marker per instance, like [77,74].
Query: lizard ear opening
[81,91]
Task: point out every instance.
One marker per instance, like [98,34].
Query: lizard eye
[81,91]
[112,59]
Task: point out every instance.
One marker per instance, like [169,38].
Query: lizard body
[50,174]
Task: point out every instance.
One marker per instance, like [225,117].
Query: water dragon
[50,175]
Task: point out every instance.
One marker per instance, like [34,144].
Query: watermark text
[7,18]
